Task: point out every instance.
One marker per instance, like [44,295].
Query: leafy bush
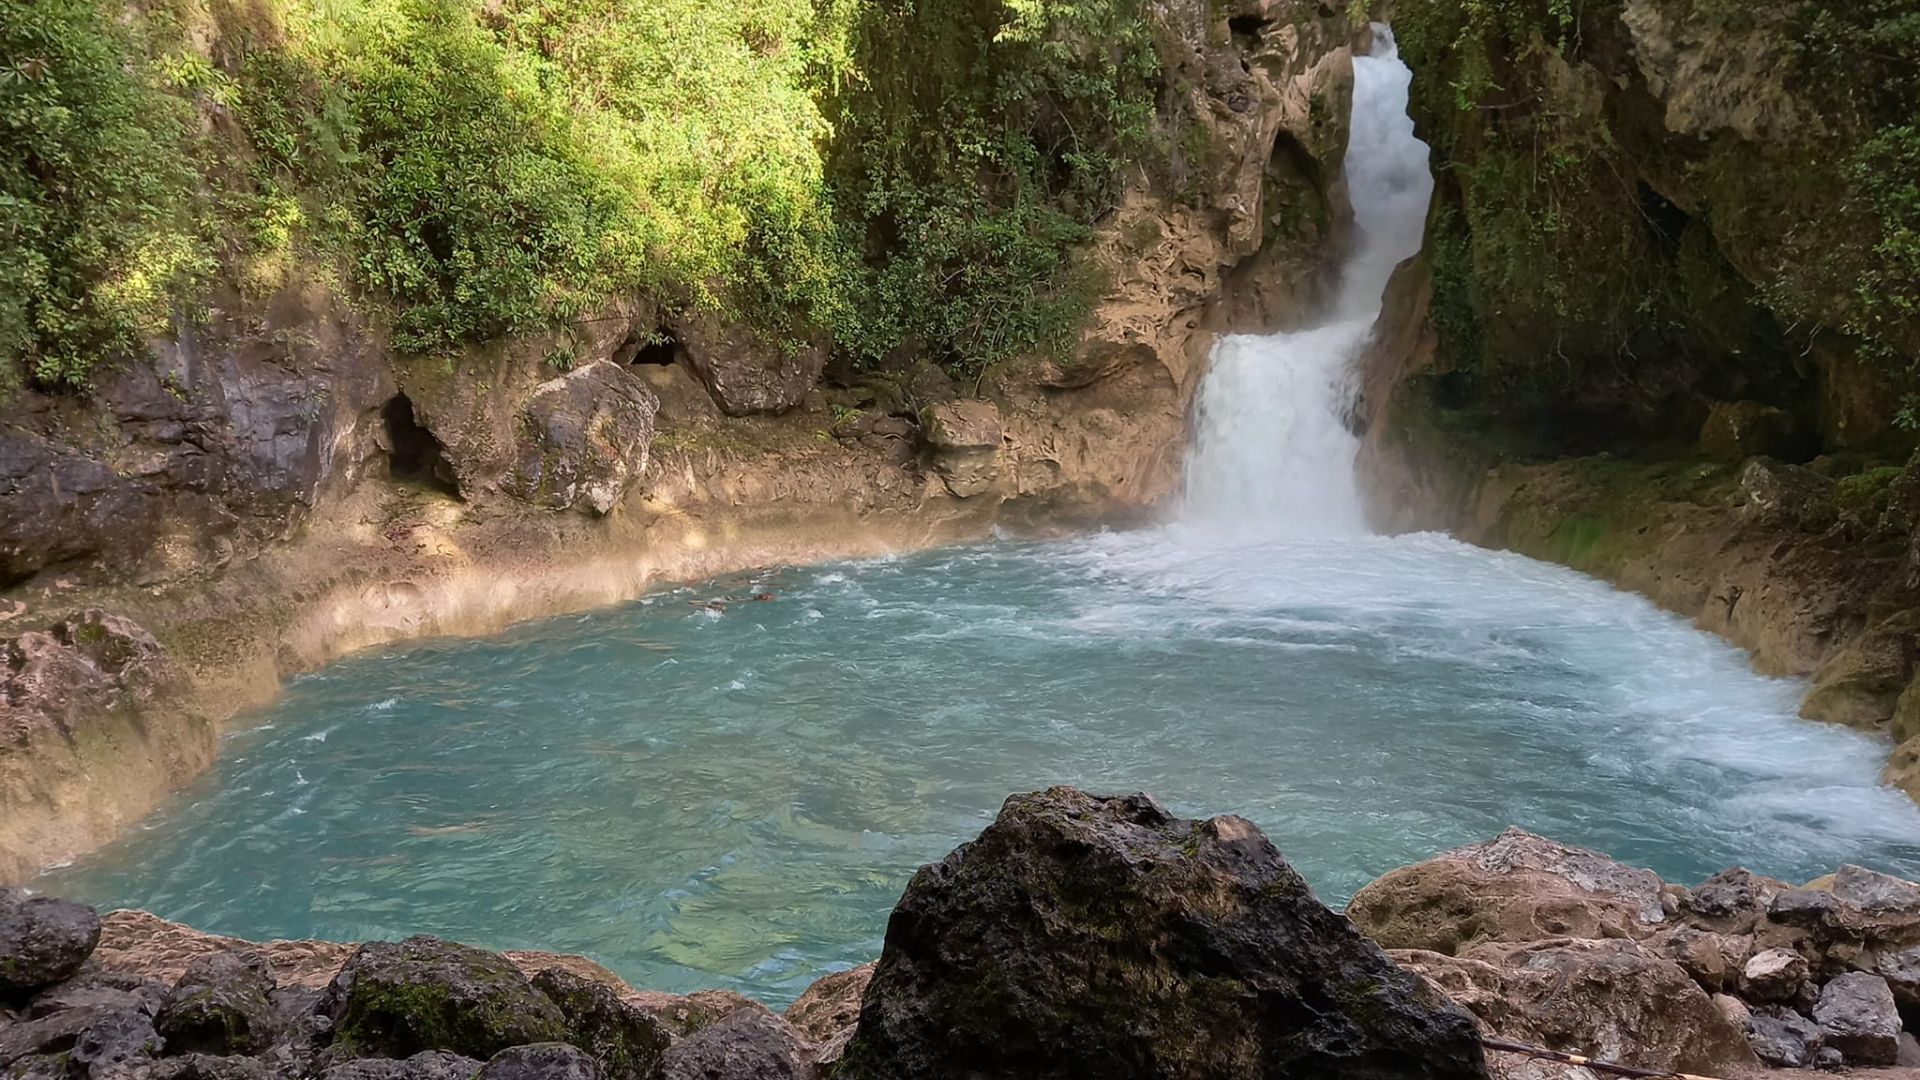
[95,191]
[979,142]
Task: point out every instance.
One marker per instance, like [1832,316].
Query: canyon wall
[1664,327]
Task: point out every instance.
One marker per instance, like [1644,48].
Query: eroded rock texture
[1104,936]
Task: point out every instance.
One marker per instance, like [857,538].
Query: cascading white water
[1272,452]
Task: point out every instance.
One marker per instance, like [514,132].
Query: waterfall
[1272,454]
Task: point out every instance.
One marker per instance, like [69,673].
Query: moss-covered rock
[221,1006]
[626,1040]
[394,999]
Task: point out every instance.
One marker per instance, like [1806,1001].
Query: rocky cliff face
[1662,327]
[276,486]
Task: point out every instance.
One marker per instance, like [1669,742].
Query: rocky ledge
[1077,936]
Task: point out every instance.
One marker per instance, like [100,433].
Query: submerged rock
[1085,936]
[394,999]
[42,941]
[1858,1016]
[745,1046]
[1515,887]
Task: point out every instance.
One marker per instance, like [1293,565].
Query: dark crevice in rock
[657,349]
[413,453]
[1247,30]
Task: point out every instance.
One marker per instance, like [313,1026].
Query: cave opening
[414,455]
[657,349]
[1247,30]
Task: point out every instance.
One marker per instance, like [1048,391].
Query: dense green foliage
[1558,269]
[473,168]
[979,142]
[467,169]
[93,190]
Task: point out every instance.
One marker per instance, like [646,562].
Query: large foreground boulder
[1516,887]
[1083,936]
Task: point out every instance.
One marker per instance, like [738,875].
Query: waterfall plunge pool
[735,798]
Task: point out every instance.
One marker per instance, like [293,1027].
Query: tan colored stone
[1607,999]
[1517,887]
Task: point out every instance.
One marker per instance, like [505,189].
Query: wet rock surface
[1104,936]
[222,1006]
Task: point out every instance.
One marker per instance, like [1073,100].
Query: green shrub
[95,191]
[980,141]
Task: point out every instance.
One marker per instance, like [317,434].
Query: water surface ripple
[704,798]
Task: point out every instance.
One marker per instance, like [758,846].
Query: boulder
[682,1015]
[426,1065]
[1715,961]
[1782,1037]
[745,373]
[1515,887]
[118,1037]
[1087,936]
[747,1045]
[1738,430]
[1901,969]
[221,1006]
[397,999]
[583,439]
[1730,902]
[829,1010]
[1774,975]
[42,940]
[55,1034]
[1873,893]
[965,438]
[625,1040]
[1857,1014]
[1786,496]
[540,1061]
[831,1004]
[1609,999]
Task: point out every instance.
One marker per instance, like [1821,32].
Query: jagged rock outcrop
[1741,966]
[1081,935]
[964,437]
[396,999]
[1609,999]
